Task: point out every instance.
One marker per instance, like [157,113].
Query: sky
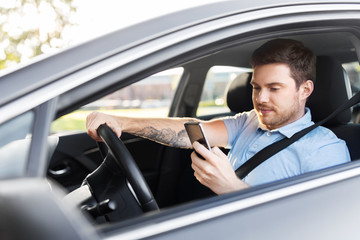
[96,17]
[91,19]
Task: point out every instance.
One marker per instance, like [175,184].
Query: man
[283,70]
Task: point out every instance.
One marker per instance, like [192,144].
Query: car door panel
[75,156]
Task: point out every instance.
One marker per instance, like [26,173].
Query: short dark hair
[300,59]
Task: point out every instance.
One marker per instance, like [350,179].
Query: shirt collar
[294,127]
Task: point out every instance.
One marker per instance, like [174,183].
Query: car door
[28,205]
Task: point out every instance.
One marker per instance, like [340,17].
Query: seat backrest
[239,93]
[331,89]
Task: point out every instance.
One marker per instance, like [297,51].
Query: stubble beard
[276,118]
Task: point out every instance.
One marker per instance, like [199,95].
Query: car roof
[47,69]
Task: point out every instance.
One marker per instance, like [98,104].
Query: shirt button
[268,133]
[255,145]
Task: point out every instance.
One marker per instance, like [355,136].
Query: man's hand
[95,119]
[215,172]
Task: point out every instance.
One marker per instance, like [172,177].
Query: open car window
[151,96]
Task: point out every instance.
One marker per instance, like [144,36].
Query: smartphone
[195,132]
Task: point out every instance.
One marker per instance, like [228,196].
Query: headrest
[239,93]
[331,89]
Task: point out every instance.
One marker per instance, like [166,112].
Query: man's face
[276,98]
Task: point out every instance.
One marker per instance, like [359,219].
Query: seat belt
[276,147]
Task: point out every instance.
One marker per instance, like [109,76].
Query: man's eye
[274,89]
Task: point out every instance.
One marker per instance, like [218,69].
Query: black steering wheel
[110,181]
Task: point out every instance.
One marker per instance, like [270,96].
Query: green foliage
[208,103]
[68,124]
[32,27]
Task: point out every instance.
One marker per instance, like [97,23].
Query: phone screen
[196,133]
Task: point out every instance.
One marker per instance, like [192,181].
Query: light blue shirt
[316,150]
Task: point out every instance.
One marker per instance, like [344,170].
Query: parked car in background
[193,63]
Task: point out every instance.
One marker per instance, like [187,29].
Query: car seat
[331,89]
[239,93]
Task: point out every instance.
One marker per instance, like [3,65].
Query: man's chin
[267,123]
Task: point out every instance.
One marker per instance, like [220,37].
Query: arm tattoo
[165,136]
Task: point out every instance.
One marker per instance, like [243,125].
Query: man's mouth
[264,110]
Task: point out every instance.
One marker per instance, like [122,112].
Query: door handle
[60,171]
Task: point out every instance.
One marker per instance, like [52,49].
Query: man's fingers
[200,149]
[116,130]
[92,125]
[218,152]
[95,119]
[93,134]
[199,165]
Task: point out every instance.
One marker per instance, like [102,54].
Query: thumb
[218,152]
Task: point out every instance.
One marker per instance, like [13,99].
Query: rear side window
[213,97]
[150,97]
[353,72]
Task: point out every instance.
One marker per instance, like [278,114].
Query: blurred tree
[32,27]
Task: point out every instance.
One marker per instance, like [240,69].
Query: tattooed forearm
[166,136]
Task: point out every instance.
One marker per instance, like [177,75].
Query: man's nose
[262,96]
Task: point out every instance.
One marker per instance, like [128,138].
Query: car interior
[167,170]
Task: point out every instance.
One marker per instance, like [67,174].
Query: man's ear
[306,89]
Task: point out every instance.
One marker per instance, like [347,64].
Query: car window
[213,97]
[150,97]
[15,140]
[353,72]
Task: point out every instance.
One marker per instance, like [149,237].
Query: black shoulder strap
[276,147]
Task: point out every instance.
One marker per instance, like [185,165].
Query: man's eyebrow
[269,84]
[276,84]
